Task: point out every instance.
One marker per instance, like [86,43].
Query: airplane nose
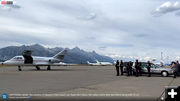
[5,63]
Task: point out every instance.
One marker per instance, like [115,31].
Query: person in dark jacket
[176,69]
[121,66]
[127,68]
[130,68]
[177,62]
[137,68]
[149,68]
[117,67]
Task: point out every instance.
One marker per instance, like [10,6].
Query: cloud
[111,26]
[102,48]
[141,35]
[167,7]
[90,16]
[178,13]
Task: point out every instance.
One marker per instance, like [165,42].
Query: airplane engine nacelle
[53,61]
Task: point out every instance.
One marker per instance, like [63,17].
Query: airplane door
[27,57]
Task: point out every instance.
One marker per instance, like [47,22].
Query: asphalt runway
[90,82]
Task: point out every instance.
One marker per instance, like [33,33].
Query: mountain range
[74,55]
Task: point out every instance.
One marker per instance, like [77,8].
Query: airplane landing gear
[38,68]
[19,68]
[49,68]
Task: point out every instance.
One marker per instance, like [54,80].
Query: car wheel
[164,74]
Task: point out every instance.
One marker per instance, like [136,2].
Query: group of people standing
[128,68]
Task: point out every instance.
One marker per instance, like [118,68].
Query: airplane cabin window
[19,58]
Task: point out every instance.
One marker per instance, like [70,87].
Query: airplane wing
[42,63]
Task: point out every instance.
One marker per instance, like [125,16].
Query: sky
[138,28]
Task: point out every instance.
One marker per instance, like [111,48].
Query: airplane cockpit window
[18,58]
[14,57]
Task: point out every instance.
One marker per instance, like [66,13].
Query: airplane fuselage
[19,60]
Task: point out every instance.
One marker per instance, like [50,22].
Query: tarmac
[81,83]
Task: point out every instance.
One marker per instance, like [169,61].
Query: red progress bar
[3,2]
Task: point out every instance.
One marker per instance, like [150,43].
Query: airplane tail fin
[87,62]
[60,55]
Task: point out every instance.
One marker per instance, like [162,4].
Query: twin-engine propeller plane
[26,59]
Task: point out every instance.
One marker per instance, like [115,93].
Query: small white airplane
[93,64]
[26,59]
[99,63]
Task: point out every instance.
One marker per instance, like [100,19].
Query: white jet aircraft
[26,59]
[99,63]
[93,64]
